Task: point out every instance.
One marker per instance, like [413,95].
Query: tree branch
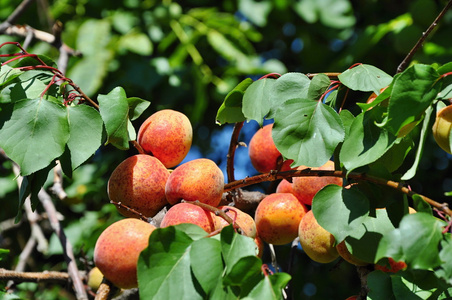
[274,175]
[424,36]
[46,276]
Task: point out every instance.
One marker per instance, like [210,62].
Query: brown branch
[15,14]
[329,74]
[424,36]
[273,175]
[46,276]
[106,290]
[231,153]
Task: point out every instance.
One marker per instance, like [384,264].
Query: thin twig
[232,147]
[15,14]
[48,205]
[424,36]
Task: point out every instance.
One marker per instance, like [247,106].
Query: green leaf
[164,268]
[366,142]
[7,75]
[256,101]
[85,126]
[420,205]
[365,78]
[193,231]
[136,107]
[206,262]
[3,253]
[380,286]
[302,125]
[256,11]
[425,133]
[223,46]
[90,72]
[243,270]
[340,211]
[230,110]
[270,287]
[363,242]
[235,246]
[331,13]
[319,85]
[136,42]
[412,93]
[35,134]
[445,272]
[415,242]
[30,186]
[114,109]
[288,86]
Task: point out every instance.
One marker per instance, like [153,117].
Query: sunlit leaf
[35,134]
[256,101]
[365,78]
[307,131]
[230,110]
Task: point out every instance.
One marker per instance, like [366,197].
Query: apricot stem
[138,147]
[120,205]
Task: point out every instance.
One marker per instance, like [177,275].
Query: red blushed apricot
[190,213]
[167,135]
[277,217]
[199,179]
[263,153]
[242,219]
[139,183]
[316,242]
[118,248]
[306,187]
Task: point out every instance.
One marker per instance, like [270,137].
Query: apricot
[242,219]
[306,187]
[139,183]
[167,135]
[348,256]
[263,153]
[117,250]
[277,217]
[316,242]
[259,246]
[95,278]
[189,213]
[442,127]
[200,179]
[394,266]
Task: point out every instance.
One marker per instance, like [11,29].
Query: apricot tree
[372,125]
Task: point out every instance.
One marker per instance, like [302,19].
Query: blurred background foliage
[187,55]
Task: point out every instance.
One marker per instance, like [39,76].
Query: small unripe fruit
[118,248]
[199,179]
[263,153]
[316,242]
[242,219]
[442,128]
[167,135]
[95,278]
[277,217]
[139,183]
[190,213]
[306,187]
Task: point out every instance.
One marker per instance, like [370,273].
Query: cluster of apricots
[144,184]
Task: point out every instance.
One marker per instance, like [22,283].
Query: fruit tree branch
[424,36]
[46,276]
[274,175]
[232,147]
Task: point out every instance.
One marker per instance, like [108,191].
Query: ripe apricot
[167,135]
[316,242]
[442,127]
[139,183]
[242,219]
[263,153]
[117,250]
[189,213]
[277,217]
